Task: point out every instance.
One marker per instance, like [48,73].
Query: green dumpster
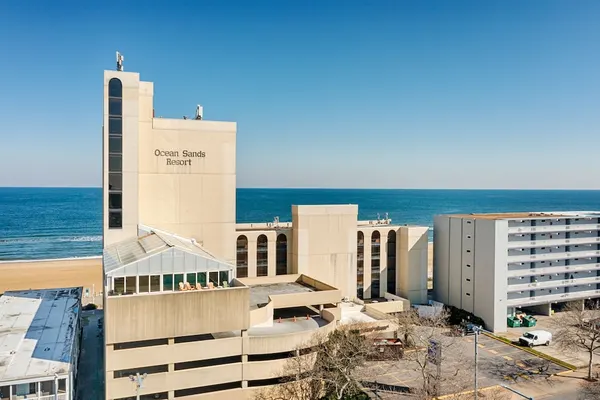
[529,321]
[514,322]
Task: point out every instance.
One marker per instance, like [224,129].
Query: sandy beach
[51,274]
[74,272]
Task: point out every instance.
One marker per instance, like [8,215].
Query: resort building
[200,306]
[495,264]
[40,334]
[179,325]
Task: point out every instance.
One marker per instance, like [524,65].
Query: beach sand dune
[51,274]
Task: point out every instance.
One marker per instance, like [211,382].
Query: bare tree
[330,366]
[430,348]
[578,329]
[589,391]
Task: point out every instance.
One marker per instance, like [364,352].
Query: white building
[494,264]
[39,343]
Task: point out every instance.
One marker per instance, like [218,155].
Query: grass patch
[534,352]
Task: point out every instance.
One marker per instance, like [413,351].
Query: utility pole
[476,330]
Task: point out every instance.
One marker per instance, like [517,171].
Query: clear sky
[384,94]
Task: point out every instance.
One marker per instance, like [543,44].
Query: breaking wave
[55,239]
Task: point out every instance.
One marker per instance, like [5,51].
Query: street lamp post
[476,330]
[139,383]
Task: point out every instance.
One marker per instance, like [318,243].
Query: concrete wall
[469,266]
[411,263]
[324,244]
[195,200]
[166,315]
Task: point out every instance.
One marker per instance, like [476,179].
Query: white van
[536,338]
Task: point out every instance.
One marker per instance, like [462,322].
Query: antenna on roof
[120,59]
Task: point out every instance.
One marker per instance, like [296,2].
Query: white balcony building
[493,264]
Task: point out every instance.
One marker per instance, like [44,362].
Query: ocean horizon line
[344,188]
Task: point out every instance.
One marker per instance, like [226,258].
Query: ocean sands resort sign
[176,157]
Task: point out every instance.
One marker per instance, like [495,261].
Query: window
[115,200]
[202,279]
[115,219]
[391,262]
[223,277]
[141,343]
[191,279]
[114,164]
[115,149]
[119,285]
[167,282]
[375,264]
[241,260]
[178,279]
[360,264]
[155,283]
[155,369]
[262,256]
[115,181]
[130,284]
[144,284]
[281,255]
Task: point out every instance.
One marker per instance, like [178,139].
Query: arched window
[375,263]
[262,256]
[281,255]
[391,262]
[360,265]
[241,259]
[115,154]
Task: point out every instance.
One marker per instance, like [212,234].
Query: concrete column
[171,394]
[271,256]
[251,256]
[367,265]
[383,262]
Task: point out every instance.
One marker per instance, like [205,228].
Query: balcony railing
[515,273]
[552,284]
[527,301]
[60,396]
[554,228]
[553,256]
[553,242]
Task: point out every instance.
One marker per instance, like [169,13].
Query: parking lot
[498,363]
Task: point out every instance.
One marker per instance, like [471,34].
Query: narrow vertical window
[242,257]
[360,265]
[262,256]
[391,262]
[281,255]
[115,154]
[375,264]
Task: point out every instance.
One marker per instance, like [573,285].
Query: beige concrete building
[203,305]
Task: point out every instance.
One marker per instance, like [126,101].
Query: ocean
[48,223]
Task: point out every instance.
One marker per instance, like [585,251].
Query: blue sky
[384,94]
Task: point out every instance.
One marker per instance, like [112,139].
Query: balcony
[552,242]
[552,270]
[552,284]
[529,301]
[553,256]
[554,228]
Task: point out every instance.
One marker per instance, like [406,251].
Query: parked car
[536,338]
[466,328]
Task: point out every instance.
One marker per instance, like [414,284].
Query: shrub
[89,307]
[457,316]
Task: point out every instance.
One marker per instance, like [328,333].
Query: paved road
[90,379]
